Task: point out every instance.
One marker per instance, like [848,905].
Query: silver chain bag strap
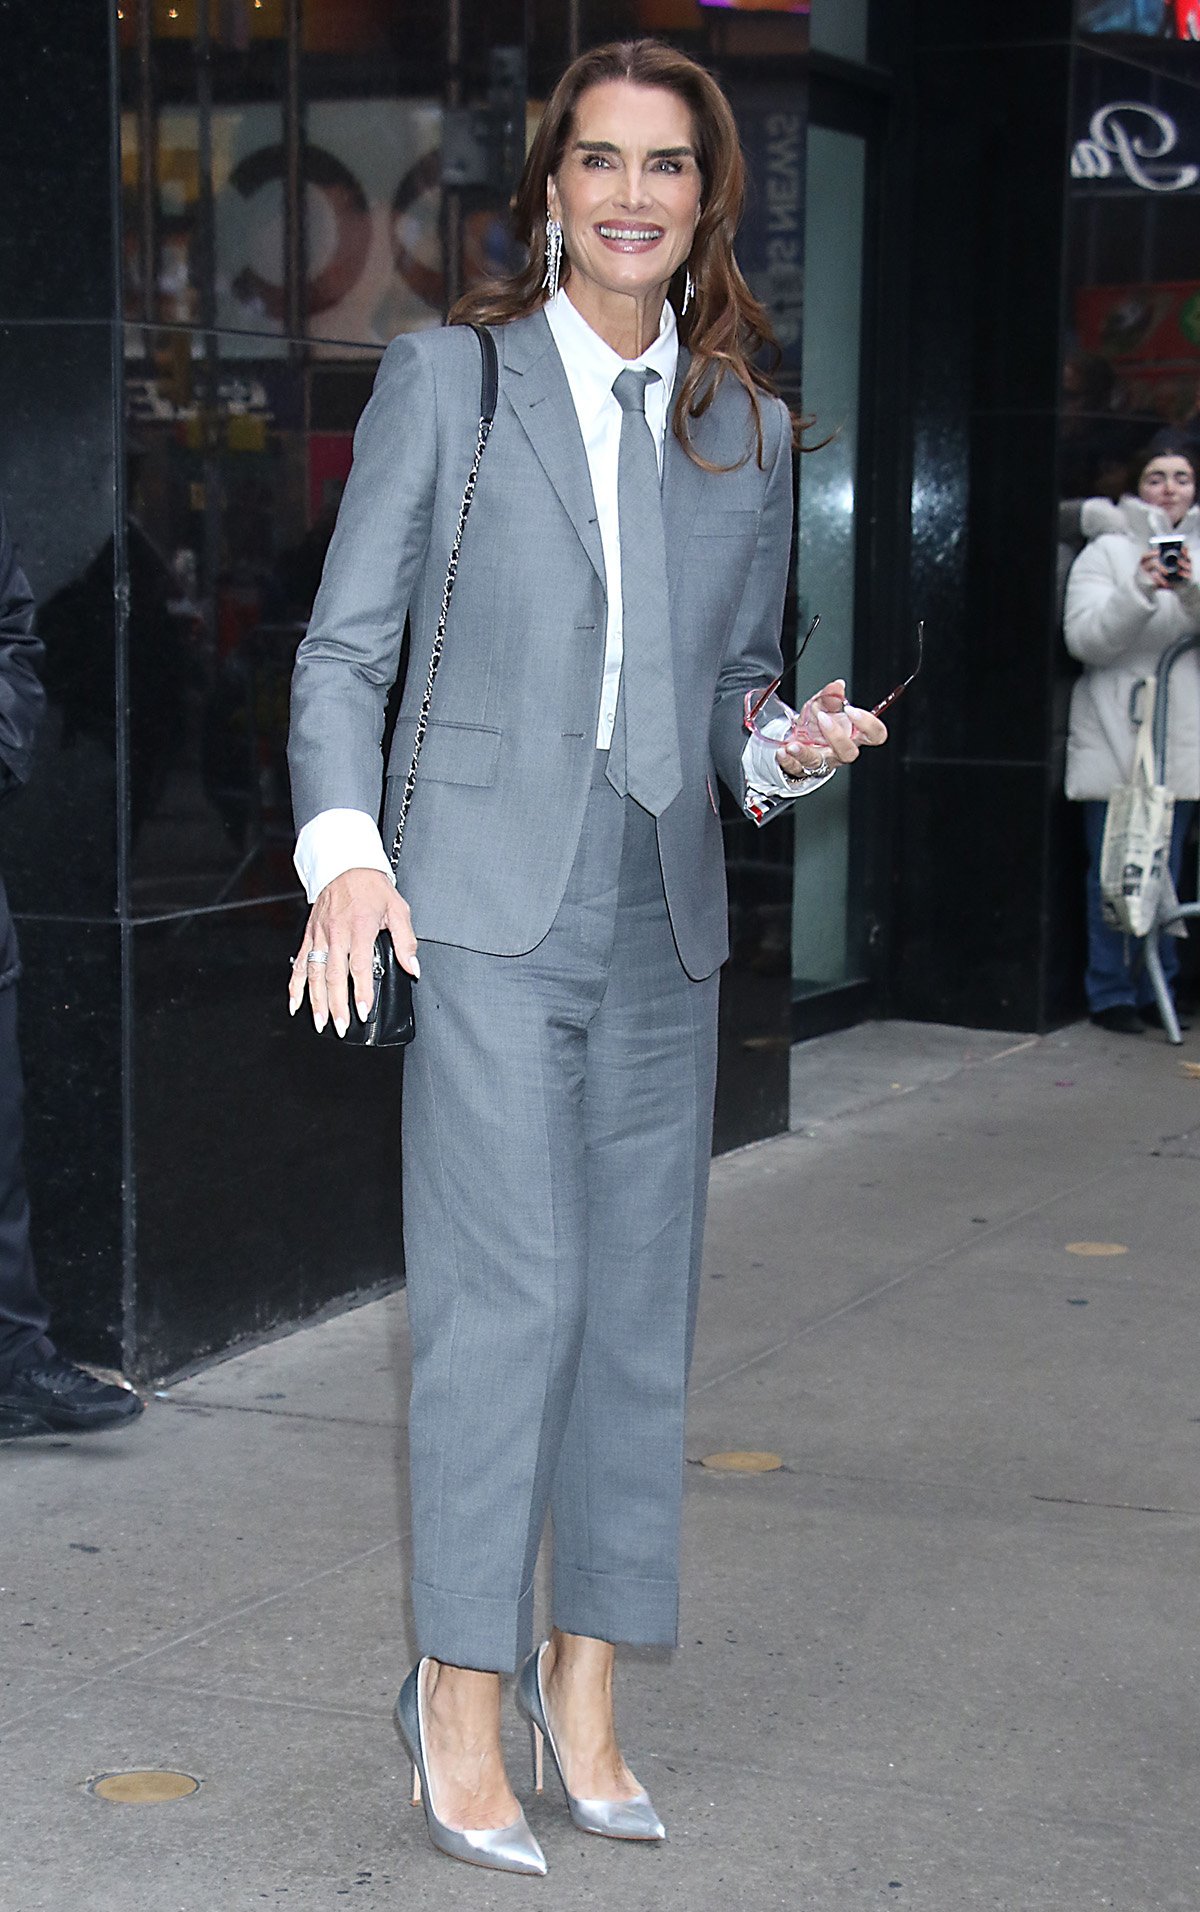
[390,1023]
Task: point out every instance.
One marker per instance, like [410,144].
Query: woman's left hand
[843,728]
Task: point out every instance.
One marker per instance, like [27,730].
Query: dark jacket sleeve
[22,698]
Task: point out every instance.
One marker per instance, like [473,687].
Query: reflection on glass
[1132,358]
[840,27]
[757,6]
[371,178]
[372,218]
[59,836]
[282,178]
[825,931]
[230,509]
[1149,19]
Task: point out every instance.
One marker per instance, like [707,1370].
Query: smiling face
[1170,483]
[627,195]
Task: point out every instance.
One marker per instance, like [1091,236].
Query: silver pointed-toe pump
[504,1849]
[612,1818]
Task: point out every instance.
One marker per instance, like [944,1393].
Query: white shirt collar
[592,365]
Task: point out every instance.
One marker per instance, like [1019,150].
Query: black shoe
[15,1425]
[1151,1015]
[1121,1020]
[60,1395]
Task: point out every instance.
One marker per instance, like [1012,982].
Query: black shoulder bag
[389,1023]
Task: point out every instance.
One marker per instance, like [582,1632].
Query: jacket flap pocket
[459,753]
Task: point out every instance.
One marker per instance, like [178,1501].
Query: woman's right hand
[342,926]
[1150,566]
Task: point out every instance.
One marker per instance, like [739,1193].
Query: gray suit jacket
[507,761]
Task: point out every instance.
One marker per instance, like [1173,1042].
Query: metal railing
[1176,912]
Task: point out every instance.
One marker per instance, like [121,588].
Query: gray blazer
[507,761]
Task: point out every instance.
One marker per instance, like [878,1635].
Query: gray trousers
[557,1135]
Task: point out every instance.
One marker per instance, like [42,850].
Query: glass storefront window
[840,27]
[825,932]
[1147,19]
[1132,357]
[301,184]
[235,464]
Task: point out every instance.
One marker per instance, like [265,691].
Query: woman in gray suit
[618,605]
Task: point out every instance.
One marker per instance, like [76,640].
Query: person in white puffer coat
[1123,610]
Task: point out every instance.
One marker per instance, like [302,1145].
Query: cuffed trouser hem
[610,1606]
[463,1629]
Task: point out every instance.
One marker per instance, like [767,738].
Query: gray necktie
[644,758]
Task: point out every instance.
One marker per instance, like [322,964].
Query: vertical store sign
[773,122]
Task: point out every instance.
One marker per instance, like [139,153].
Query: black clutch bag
[390,1022]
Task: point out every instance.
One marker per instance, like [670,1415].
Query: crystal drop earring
[553,256]
[689,291]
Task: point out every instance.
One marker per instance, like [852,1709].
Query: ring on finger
[810,771]
[320,956]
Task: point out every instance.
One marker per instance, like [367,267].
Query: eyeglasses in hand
[769,717]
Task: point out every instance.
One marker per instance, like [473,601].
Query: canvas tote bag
[1135,881]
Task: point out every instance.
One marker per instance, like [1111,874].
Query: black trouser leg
[24,1316]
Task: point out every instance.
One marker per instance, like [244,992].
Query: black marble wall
[59,840]
[988,900]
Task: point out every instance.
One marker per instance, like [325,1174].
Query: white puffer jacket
[1118,630]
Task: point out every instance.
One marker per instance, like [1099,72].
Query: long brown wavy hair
[725,327]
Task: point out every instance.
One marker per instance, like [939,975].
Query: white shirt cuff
[765,776]
[334,842]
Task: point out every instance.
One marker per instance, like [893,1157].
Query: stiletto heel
[504,1849]
[535,1740]
[612,1818]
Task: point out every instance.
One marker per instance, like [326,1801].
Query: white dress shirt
[592,368]
[340,840]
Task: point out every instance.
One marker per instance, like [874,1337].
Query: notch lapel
[541,398]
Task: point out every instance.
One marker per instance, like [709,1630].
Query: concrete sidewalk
[945,1658]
